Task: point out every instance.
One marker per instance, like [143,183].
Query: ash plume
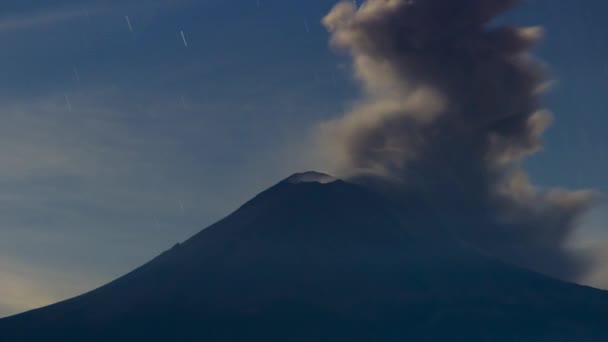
[451,108]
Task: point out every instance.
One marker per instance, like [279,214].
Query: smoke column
[450,109]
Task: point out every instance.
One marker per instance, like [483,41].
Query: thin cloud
[38,20]
[43,17]
[133,175]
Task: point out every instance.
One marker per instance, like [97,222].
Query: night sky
[121,137]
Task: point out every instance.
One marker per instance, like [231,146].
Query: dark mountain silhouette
[319,259]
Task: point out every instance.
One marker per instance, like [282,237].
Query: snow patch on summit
[311,177]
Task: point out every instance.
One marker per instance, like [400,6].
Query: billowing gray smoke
[451,109]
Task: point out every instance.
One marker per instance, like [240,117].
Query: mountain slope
[314,258]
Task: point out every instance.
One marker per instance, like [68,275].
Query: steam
[451,110]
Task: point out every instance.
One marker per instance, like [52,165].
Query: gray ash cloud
[450,109]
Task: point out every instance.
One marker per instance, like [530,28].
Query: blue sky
[115,145]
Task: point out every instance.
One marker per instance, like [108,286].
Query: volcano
[315,258]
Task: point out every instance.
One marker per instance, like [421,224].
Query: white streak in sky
[184,38]
[306,25]
[129,23]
